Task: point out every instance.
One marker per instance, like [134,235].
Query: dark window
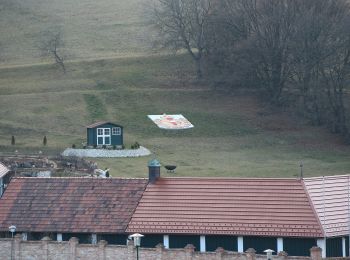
[180,241]
[83,238]
[151,240]
[298,246]
[334,247]
[113,239]
[227,242]
[260,244]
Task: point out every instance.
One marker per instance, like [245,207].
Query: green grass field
[113,74]
[234,134]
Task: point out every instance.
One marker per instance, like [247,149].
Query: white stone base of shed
[95,153]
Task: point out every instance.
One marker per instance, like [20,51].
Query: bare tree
[182,24]
[52,47]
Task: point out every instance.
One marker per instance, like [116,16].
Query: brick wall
[47,249]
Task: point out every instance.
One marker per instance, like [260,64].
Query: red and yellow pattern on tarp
[172,122]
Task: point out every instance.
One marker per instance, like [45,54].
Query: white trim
[116,130]
[166,241]
[202,244]
[59,237]
[322,244]
[343,240]
[240,247]
[103,136]
[279,244]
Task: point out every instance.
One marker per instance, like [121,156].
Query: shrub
[136,145]
[104,146]
[13,140]
[114,147]
[45,141]
[73,146]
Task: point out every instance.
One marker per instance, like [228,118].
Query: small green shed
[104,133]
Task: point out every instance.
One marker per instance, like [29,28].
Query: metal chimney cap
[154,163]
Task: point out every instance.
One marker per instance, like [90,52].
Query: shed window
[100,131]
[107,131]
[116,131]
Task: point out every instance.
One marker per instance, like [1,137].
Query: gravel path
[142,151]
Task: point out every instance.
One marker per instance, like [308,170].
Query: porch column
[279,244]
[343,240]
[93,239]
[240,247]
[166,241]
[59,237]
[202,244]
[321,243]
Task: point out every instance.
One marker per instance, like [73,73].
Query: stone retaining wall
[46,249]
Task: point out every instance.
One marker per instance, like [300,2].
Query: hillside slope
[234,135]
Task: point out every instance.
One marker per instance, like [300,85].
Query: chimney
[153,170]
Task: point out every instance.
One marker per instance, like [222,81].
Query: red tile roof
[3,170]
[330,197]
[70,204]
[258,207]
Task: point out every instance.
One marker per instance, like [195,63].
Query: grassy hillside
[90,29]
[234,135]
[111,75]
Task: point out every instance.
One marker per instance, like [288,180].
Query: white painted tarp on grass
[171,122]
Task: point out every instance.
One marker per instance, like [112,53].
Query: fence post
[102,249]
[45,247]
[73,242]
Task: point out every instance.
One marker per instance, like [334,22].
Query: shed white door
[103,136]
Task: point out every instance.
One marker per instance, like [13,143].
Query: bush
[13,140]
[114,147]
[45,141]
[136,145]
[73,146]
[104,146]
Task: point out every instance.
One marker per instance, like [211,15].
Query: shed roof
[101,123]
[70,204]
[257,207]
[3,170]
[330,197]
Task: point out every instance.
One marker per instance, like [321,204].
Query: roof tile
[265,207]
[70,204]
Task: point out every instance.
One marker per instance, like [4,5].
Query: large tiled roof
[3,170]
[257,207]
[330,197]
[70,204]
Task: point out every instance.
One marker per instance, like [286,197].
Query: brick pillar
[45,247]
[219,253]
[17,247]
[73,242]
[160,249]
[102,249]
[250,253]
[282,255]
[316,253]
[131,250]
[189,250]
